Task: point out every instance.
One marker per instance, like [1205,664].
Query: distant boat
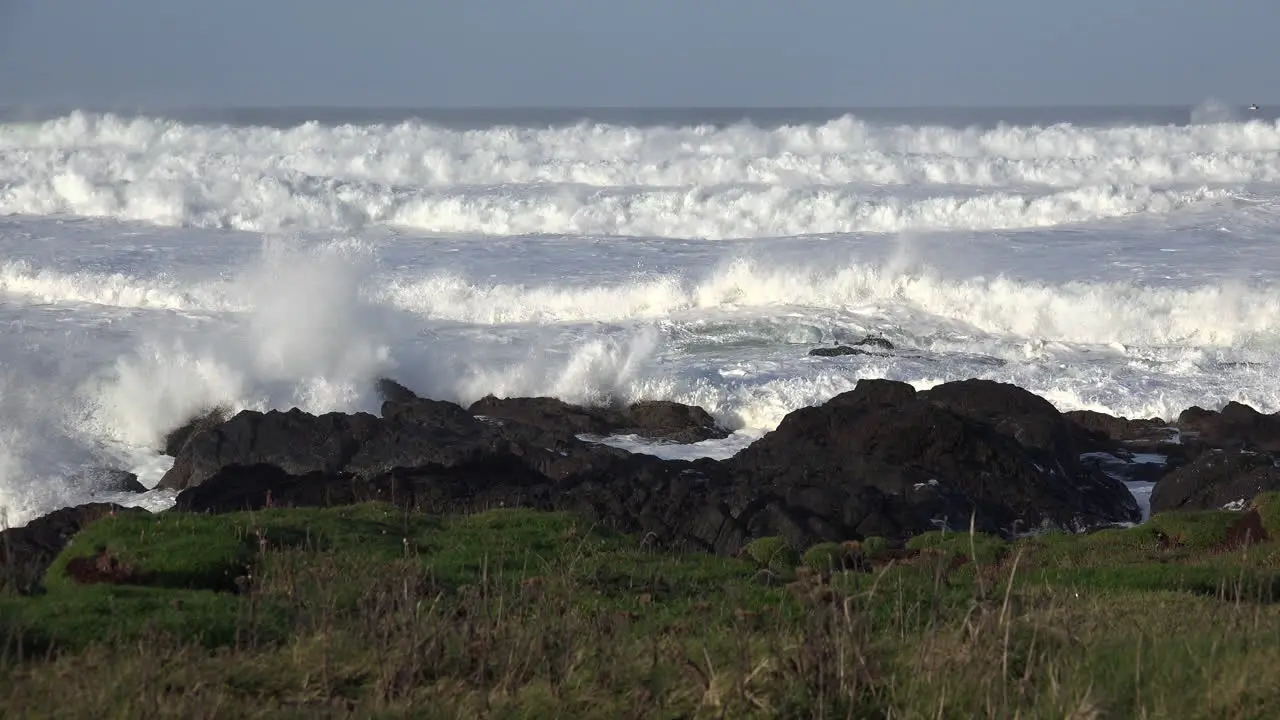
[1253,106]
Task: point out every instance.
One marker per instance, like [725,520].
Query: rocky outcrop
[1235,426]
[878,460]
[652,419]
[175,439]
[867,346]
[1216,479]
[1148,431]
[896,461]
[1027,418]
[1207,459]
[108,480]
[881,459]
[294,441]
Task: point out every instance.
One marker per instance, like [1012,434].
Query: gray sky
[437,53]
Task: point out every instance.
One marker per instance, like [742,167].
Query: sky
[630,53]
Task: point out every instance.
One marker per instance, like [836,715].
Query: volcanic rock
[1216,479]
[178,437]
[1236,426]
[652,419]
[878,460]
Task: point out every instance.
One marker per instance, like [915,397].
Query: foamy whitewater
[152,267]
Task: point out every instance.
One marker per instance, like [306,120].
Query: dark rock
[1236,426]
[1146,432]
[666,420]
[178,437]
[862,459]
[1055,442]
[1191,418]
[837,351]
[876,392]
[1185,450]
[293,441]
[652,419]
[1125,468]
[876,342]
[111,480]
[878,460]
[1216,479]
[392,391]
[1028,418]
[641,494]
[26,552]
[857,348]
[546,413]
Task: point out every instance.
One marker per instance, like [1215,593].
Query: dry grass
[367,611]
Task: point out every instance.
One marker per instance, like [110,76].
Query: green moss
[979,547]
[826,557]
[1268,506]
[772,552]
[874,547]
[1198,530]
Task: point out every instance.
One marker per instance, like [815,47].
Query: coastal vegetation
[374,610]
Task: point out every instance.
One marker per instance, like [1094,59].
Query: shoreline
[1083,451]
[488,560]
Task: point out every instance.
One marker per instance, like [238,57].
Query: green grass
[370,611]
[1268,506]
[978,547]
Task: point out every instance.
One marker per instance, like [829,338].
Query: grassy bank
[369,611]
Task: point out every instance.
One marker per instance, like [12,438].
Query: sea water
[156,264]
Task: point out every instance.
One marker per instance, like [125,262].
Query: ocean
[153,264]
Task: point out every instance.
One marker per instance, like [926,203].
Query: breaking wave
[692,182]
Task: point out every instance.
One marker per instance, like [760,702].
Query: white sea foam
[1121,269]
[692,182]
[1095,313]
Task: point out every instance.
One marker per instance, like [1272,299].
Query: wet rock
[1216,479]
[392,391]
[837,351]
[875,342]
[546,413]
[175,439]
[899,462]
[652,419]
[876,392]
[666,420]
[1028,418]
[112,480]
[1127,467]
[1236,426]
[1146,432]
[295,441]
[881,459]
[862,347]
